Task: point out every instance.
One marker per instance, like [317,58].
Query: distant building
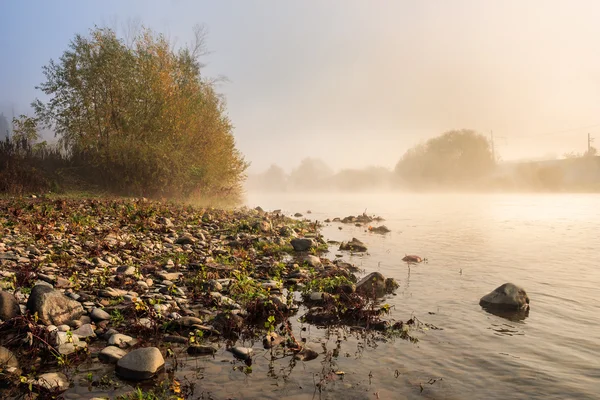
[4,127]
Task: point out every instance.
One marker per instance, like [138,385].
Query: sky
[355,83]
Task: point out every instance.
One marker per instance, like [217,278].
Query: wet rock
[201,350]
[52,306]
[9,306]
[52,381]
[111,354]
[302,244]
[306,354]
[243,353]
[412,259]
[354,245]
[507,296]
[99,314]
[379,229]
[375,284]
[140,364]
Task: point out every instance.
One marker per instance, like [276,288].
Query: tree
[312,173]
[142,116]
[456,158]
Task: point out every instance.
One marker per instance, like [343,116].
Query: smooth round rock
[140,364]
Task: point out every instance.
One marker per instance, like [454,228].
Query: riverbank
[137,284]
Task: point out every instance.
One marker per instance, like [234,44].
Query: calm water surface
[547,244]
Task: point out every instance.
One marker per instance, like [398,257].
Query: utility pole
[590,140]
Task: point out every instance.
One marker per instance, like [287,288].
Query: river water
[548,244]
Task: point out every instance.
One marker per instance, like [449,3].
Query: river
[474,242]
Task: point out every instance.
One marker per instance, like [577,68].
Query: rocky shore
[134,282]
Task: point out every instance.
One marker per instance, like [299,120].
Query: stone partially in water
[306,354]
[376,284]
[507,297]
[243,353]
[140,364]
[354,245]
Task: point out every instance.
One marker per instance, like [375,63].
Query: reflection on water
[511,315]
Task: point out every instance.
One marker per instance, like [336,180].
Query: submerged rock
[507,297]
[243,353]
[201,350]
[140,364]
[306,354]
[53,307]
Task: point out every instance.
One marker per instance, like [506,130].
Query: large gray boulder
[52,306]
[140,364]
[9,306]
[507,297]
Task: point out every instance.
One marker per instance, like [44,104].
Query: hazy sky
[357,82]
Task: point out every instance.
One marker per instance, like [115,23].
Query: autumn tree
[456,158]
[142,116]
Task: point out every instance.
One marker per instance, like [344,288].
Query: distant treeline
[455,160]
[136,119]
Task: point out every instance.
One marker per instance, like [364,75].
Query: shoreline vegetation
[141,284]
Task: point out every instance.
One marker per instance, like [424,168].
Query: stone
[85,331]
[99,314]
[306,354]
[201,350]
[354,245]
[52,381]
[376,284]
[140,364]
[121,340]
[9,306]
[111,354]
[53,307]
[126,270]
[302,244]
[169,276]
[507,296]
[313,261]
[185,239]
[8,359]
[243,353]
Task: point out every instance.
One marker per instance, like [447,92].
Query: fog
[356,84]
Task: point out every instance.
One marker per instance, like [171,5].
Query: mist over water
[474,243]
